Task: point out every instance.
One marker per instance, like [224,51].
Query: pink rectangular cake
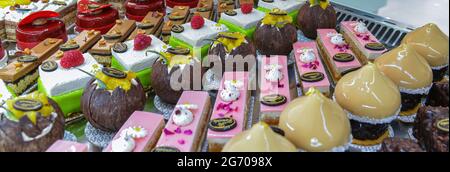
[139,134]
[185,130]
[336,53]
[229,114]
[274,91]
[310,69]
[362,42]
[67,146]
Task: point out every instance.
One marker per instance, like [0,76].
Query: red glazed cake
[95,16]
[39,26]
[137,9]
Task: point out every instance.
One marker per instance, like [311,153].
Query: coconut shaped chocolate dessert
[110,98]
[175,62]
[316,14]
[229,45]
[31,123]
[275,34]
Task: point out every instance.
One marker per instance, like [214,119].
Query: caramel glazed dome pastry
[372,101]
[411,73]
[315,123]
[430,42]
[260,138]
[30,123]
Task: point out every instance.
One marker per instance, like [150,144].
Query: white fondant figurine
[360,27]
[337,39]
[231,90]
[273,72]
[183,115]
[123,144]
[307,56]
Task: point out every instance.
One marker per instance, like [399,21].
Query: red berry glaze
[247,8]
[197,22]
[142,41]
[72,58]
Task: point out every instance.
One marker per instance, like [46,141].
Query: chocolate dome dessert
[411,73]
[432,44]
[316,123]
[260,138]
[316,14]
[371,100]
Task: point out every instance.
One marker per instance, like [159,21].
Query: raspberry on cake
[242,20]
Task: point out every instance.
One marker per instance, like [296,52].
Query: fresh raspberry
[197,22]
[72,58]
[142,41]
[247,8]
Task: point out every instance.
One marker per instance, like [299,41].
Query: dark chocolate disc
[59,3]
[49,66]
[343,57]
[68,46]
[111,36]
[442,125]
[178,51]
[375,46]
[23,9]
[165,149]
[145,25]
[312,77]
[277,130]
[115,73]
[174,18]
[230,12]
[222,124]
[177,28]
[273,100]
[120,47]
[203,9]
[27,105]
[227,37]
[27,58]
[93,6]
[268,1]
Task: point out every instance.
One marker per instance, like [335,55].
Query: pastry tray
[387,31]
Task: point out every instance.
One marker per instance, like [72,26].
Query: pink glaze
[184,140]
[302,69]
[268,88]
[332,50]
[241,104]
[147,120]
[67,146]
[349,28]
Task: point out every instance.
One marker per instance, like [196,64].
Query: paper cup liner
[373,148]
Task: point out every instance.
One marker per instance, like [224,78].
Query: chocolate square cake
[438,95]
[431,128]
[400,145]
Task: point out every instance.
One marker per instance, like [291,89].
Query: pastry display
[361,41]
[150,25]
[431,128]
[67,9]
[102,49]
[225,5]
[139,133]
[116,95]
[275,34]
[14,14]
[30,123]
[174,62]
[290,6]
[310,69]
[95,16]
[205,8]
[411,73]
[67,146]
[400,145]
[195,34]
[336,53]
[171,4]
[178,17]
[229,116]
[39,26]
[138,9]
[315,123]
[185,130]
[314,15]
[230,46]
[274,93]
[133,56]
[438,95]
[243,20]
[372,101]
[432,44]
[260,138]
[22,73]
[63,82]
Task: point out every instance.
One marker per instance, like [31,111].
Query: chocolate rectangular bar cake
[400,145]
[431,128]
[438,95]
